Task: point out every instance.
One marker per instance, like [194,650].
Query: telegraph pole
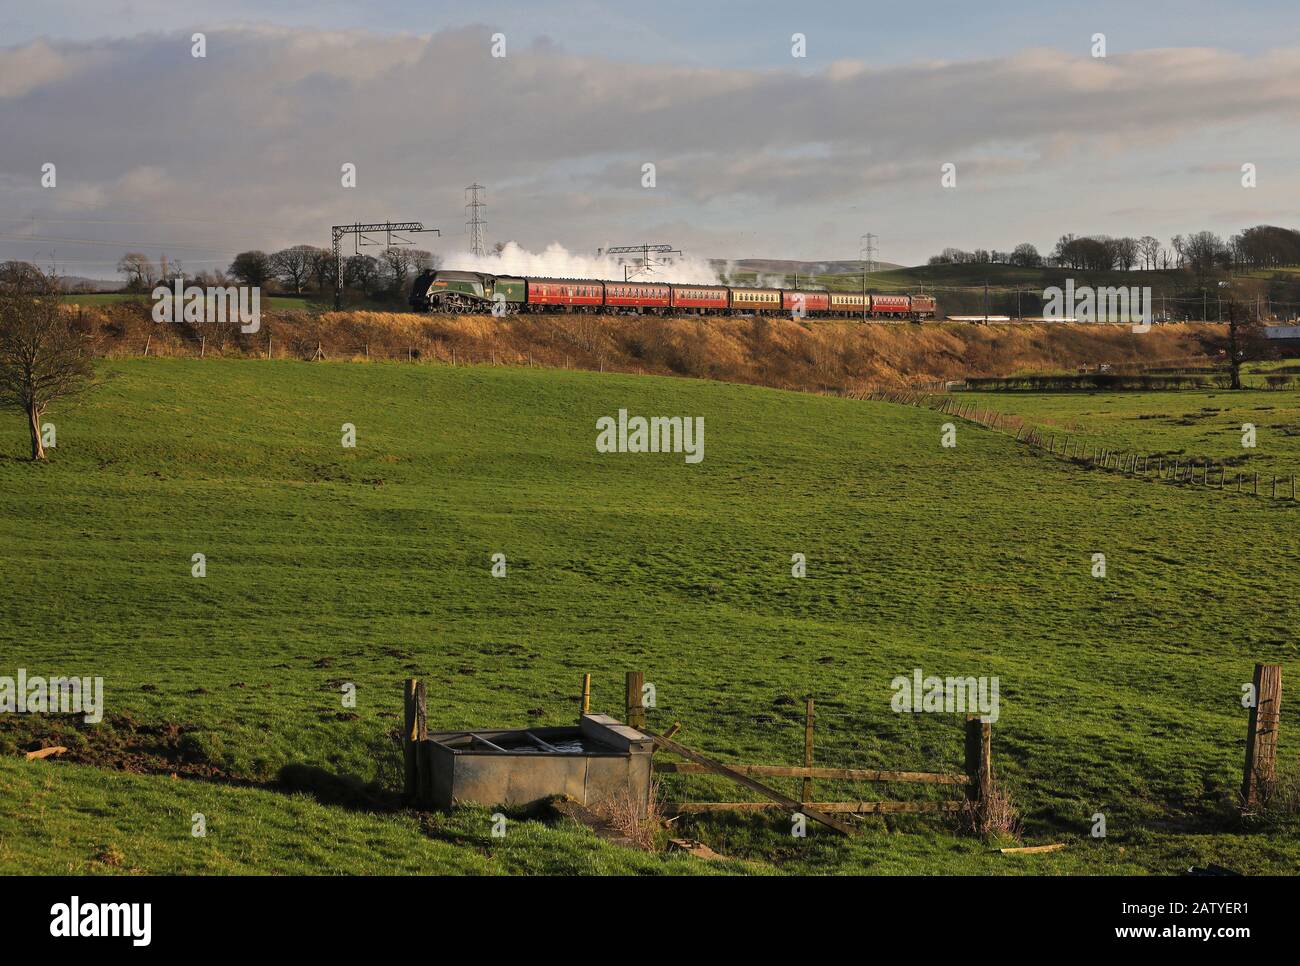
[476,223]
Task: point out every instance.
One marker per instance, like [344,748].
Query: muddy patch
[121,743]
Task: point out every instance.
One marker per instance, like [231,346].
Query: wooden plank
[721,769]
[1261,738]
[836,774]
[45,752]
[697,849]
[841,808]
[670,733]
[586,694]
[544,745]
[1032,849]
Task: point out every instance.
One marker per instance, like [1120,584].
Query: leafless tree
[322,267]
[1126,252]
[294,265]
[1246,340]
[1203,251]
[1149,247]
[43,357]
[139,269]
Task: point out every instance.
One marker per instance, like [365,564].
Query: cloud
[39,65]
[257,131]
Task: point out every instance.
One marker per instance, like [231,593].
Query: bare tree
[322,267]
[43,357]
[1246,340]
[1149,248]
[1126,252]
[139,270]
[293,265]
[1203,251]
[361,272]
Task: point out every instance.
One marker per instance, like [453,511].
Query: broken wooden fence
[976,781]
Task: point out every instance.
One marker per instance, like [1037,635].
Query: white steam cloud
[558,262]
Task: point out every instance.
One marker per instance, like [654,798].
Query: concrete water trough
[598,760]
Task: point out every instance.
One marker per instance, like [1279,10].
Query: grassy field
[1199,423]
[328,566]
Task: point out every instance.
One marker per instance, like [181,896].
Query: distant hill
[79,283]
[782,266]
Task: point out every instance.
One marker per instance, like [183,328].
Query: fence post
[1261,738]
[423,770]
[979,763]
[408,737]
[632,700]
[806,795]
[586,694]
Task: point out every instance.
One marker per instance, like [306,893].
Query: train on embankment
[461,292]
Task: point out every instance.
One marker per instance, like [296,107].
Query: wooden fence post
[423,771]
[807,795]
[632,700]
[586,694]
[979,763]
[1261,739]
[408,737]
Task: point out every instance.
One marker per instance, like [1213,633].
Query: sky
[756,153]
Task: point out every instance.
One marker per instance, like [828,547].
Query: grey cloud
[260,127]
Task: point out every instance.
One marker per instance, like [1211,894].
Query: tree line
[297,269]
[1263,246]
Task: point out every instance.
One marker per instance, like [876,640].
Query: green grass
[328,565]
[1185,423]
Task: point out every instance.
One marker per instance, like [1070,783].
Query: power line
[362,236]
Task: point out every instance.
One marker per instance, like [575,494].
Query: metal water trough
[598,760]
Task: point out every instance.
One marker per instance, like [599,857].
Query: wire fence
[1201,472]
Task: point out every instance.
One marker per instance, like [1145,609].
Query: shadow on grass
[344,791]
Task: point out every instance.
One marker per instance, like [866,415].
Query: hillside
[329,566]
[777,351]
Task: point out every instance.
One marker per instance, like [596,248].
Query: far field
[328,566]
[1184,423]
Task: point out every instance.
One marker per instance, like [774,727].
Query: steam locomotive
[481,293]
